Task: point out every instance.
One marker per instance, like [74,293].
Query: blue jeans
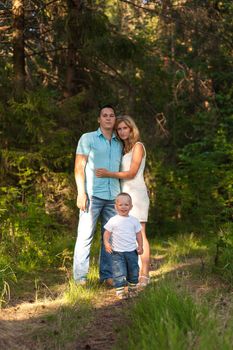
[104,209]
[125,268]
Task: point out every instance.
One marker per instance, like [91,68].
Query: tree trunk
[74,8]
[18,48]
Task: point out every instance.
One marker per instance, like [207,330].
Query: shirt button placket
[109,167]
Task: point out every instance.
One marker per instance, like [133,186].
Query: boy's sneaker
[132,290]
[120,293]
[122,296]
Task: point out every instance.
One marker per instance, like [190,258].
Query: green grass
[184,246]
[73,308]
[6,275]
[167,315]
[224,253]
[166,318]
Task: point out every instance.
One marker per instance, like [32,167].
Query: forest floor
[27,321]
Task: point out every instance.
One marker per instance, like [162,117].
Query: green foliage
[184,246]
[166,204]
[196,191]
[33,117]
[30,237]
[5,73]
[206,166]
[6,275]
[37,128]
[35,201]
[81,113]
[224,253]
[170,68]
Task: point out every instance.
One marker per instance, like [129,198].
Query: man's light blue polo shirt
[101,153]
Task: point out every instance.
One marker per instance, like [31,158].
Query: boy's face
[123,205]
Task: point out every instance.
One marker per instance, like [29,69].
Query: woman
[132,182]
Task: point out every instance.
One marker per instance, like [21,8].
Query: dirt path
[19,322]
[102,332]
[24,316]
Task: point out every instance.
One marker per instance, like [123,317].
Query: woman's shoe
[143,281]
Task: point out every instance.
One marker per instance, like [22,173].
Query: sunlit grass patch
[164,318]
[75,311]
[93,274]
[77,293]
[172,254]
[157,247]
[184,246]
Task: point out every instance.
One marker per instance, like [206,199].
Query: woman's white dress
[136,187]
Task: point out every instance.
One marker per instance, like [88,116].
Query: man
[98,149]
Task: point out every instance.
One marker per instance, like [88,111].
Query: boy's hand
[140,250]
[108,248]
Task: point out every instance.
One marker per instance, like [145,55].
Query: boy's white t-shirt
[123,232]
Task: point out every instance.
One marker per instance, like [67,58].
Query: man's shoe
[80,282]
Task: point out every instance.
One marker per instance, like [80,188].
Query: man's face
[107,119]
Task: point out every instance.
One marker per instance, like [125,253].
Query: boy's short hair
[125,194]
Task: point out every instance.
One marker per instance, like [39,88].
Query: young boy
[123,239]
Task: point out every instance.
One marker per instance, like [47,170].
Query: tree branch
[139,6]
[5,28]
[116,72]
[45,51]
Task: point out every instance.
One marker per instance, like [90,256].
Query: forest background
[166,63]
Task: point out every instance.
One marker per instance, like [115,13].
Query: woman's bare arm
[140,243]
[138,154]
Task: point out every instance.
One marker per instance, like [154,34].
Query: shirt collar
[99,132]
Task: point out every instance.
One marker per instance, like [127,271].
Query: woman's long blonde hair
[134,135]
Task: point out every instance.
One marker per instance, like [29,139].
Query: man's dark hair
[107,106]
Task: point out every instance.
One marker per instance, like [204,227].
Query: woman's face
[123,131]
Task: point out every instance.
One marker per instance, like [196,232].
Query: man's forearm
[80,181]
[79,173]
